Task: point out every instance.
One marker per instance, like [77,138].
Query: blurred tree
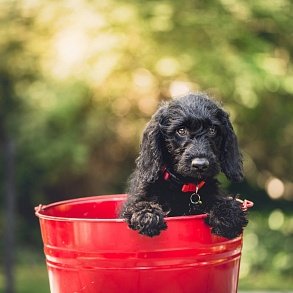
[13,71]
[8,102]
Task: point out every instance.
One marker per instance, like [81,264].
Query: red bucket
[88,249]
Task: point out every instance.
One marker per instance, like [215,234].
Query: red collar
[188,187]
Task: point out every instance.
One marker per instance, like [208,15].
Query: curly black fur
[192,136]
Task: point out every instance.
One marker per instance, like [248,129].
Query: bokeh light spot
[276,220]
[179,88]
[275,188]
[167,66]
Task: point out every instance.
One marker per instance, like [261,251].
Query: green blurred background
[78,81]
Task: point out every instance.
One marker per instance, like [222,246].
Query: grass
[30,273]
[267,256]
[30,279]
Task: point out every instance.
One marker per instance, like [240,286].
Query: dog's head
[192,136]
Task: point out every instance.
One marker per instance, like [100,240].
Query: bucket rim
[40,210]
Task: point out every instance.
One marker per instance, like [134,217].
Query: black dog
[188,141]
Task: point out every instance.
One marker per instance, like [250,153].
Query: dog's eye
[212,131]
[182,131]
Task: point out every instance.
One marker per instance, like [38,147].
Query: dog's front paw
[147,218]
[227,219]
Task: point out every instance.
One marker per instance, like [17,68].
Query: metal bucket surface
[88,249]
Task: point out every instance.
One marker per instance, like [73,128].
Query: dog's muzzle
[200,164]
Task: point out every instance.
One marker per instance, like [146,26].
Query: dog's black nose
[200,164]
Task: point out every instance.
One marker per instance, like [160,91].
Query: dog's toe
[149,220]
[150,224]
[227,219]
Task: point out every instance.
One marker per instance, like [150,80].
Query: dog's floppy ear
[231,159]
[150,160]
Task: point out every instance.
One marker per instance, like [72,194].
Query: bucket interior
[100,207]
